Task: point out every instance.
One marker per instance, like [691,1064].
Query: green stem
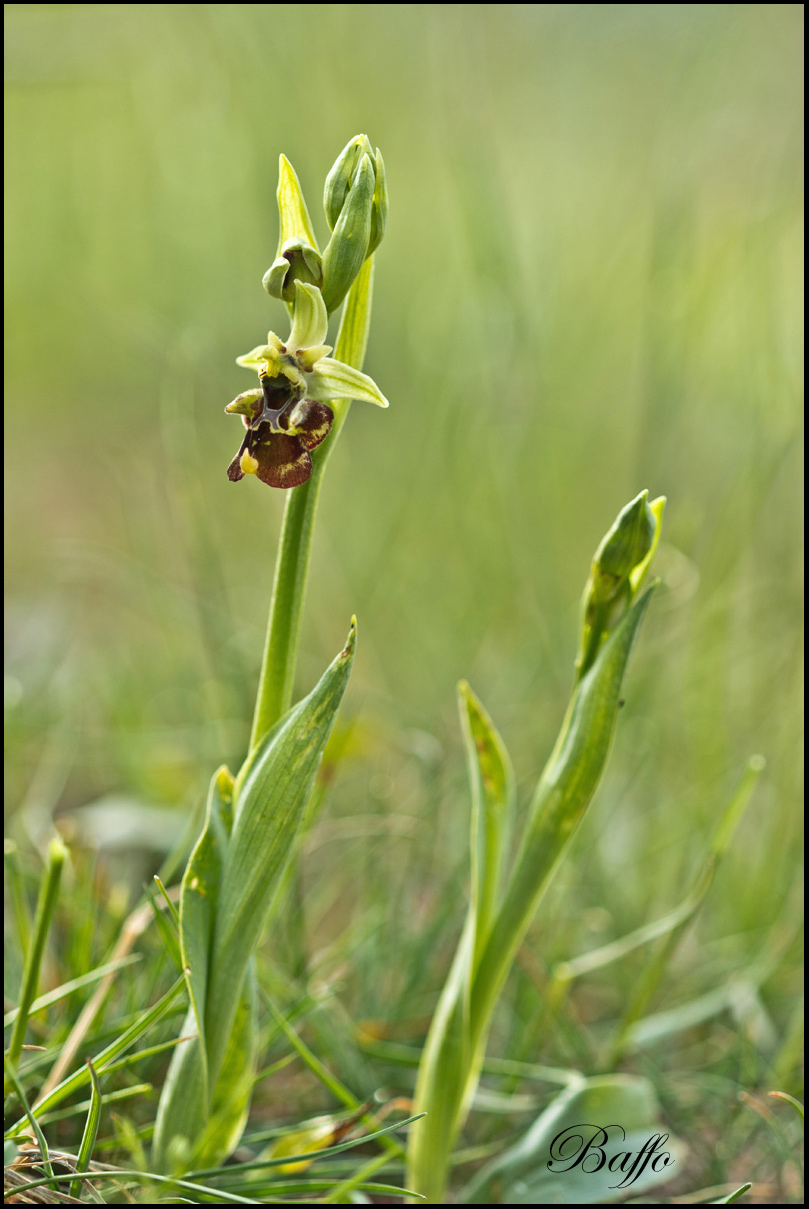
[295,546]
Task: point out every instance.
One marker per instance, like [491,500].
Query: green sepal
[295,223]
[334,380]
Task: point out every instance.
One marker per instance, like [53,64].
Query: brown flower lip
[278,440]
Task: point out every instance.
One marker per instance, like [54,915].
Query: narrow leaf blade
[491,782]
[200,893]
[269,809]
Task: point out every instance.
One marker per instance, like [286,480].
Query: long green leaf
[491,781]
[230,1103]
[565,790]
[455,1046]
[268,811]
[451,1061]
[14,1083]
[200,895]
[227,895]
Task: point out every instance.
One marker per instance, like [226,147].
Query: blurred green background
[590,284]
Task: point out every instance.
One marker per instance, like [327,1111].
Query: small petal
[310,321]
[311,422]
[283,461]
[332,379]
[273,280]
[249,404]
[309,357]
[261,358]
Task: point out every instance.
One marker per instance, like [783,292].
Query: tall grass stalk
[46,905]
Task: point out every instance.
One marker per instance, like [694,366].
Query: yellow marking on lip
[248,463]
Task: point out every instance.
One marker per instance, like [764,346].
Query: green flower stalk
[497,919]
[292,420]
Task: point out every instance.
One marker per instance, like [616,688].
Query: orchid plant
[253,820]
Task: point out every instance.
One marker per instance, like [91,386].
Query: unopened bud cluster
[356,204]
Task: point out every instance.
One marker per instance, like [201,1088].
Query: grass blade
[142,1025]
[46,904]
[733,1196]
[15,1084]
[75,984]
[88,1139]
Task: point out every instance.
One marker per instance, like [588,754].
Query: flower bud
[348,245]
[339,180]
[624,547]
[297,261]
[619,566]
